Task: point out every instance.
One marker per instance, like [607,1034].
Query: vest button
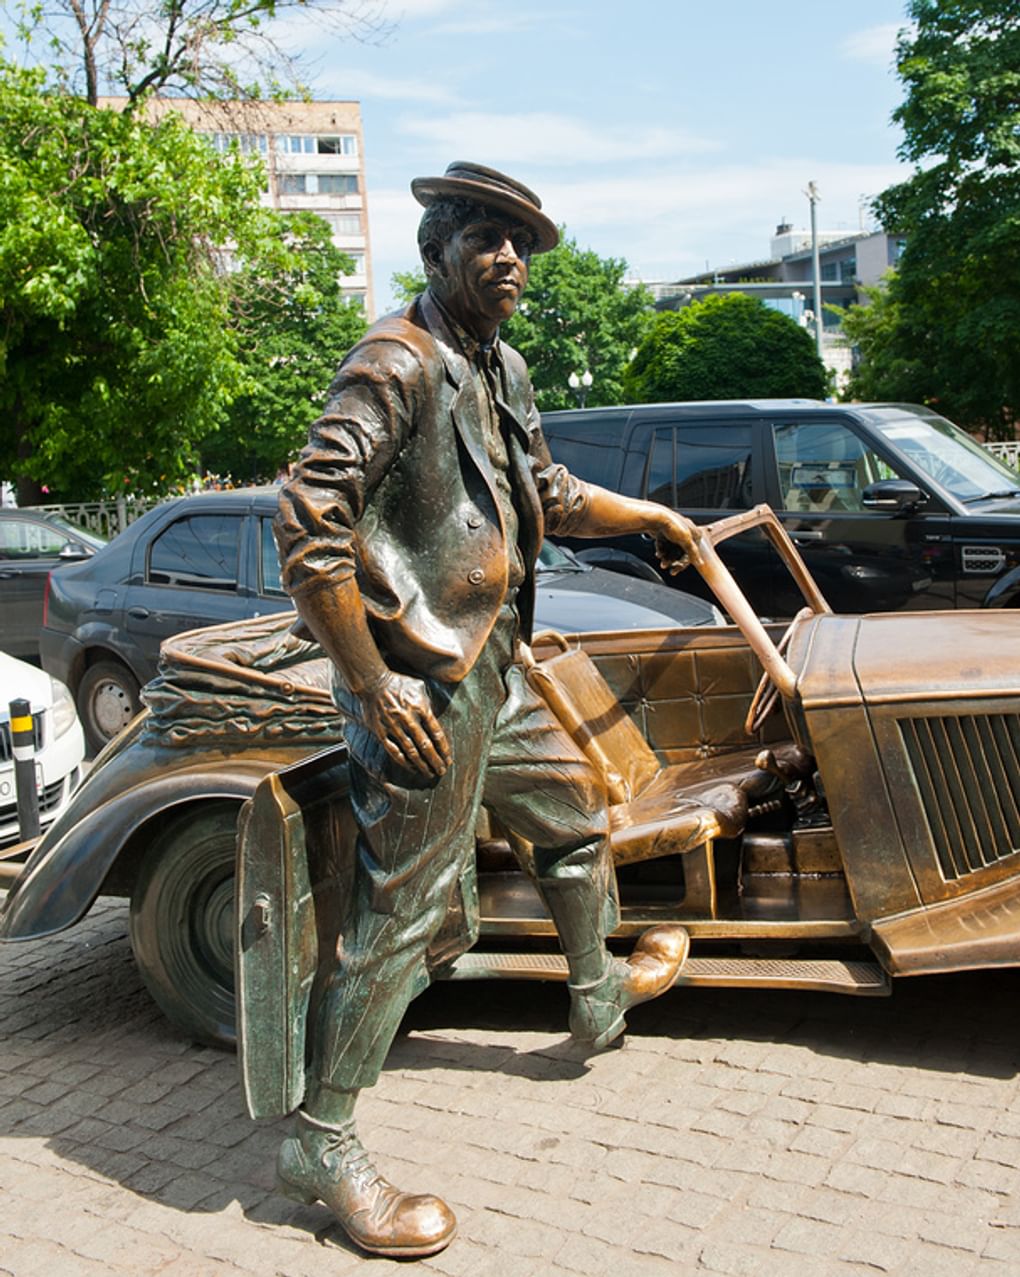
[476,576]
[474,521]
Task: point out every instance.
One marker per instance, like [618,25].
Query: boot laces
[352,1156]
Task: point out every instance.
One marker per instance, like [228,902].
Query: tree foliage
[293,326]
[192,48]
[725,347]
[116,353]
[127,350]
[576,315]
[950,326]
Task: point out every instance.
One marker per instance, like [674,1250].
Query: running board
[864,979]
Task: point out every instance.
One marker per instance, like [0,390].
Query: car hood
[994,508]
[19,680]
[595,599]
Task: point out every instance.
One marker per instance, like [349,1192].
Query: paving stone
[790,1134]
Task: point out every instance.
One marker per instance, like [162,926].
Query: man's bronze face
[481,271]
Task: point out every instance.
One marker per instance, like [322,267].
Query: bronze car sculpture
[868,828]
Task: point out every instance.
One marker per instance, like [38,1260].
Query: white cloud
[351,83]
[492,21]
[876,45]
[542,138]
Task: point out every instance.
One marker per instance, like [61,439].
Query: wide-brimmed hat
[493,189]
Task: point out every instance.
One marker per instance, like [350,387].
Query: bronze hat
[493,189]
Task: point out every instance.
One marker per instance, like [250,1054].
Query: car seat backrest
[586,706]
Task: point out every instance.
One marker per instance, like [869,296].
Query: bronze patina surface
[408,538]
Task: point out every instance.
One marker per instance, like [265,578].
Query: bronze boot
[597,1009]
[330,1165]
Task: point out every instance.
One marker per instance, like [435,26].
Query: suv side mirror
[893,496]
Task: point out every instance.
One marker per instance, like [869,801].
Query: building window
[289,144]
[343,223]
[829,271]
[337,183]
[311,144]
[344,144]
[847,270]
[318,184]
[358,259]
[246,143]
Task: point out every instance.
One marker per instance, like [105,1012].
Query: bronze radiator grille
[967,772]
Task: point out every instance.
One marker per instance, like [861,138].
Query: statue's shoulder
[404,328]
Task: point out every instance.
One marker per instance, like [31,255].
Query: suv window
[200,551]
[823,466]
[701,466]
[589,446]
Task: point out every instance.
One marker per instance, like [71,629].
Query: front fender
[67,868]
[1005,591]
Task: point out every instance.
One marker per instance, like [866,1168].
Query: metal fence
[1007,452]
[106,518]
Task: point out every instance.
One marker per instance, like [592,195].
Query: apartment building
[314,158]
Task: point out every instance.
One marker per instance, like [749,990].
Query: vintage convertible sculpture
[870,829]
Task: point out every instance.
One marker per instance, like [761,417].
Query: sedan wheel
[107,701]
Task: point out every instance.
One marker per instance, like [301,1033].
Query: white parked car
[59,743]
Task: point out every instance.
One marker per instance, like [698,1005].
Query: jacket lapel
[464,406]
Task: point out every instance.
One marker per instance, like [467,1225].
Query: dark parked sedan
[32,544]
[210,558]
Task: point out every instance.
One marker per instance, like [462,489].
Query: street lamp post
[813,198]
[580,386]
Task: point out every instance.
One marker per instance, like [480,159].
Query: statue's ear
[432,258]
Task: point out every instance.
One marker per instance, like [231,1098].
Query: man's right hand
[399,712]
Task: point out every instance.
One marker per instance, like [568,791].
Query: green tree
[293,326]
[575,315]
[407,284]
[732,347]
[578,315]
[117,353]
[951,324]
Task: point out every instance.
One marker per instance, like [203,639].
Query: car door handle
[806,536]
[138,613]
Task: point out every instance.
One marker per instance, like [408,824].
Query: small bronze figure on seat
[408,535]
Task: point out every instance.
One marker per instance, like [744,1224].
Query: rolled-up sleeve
[369,414]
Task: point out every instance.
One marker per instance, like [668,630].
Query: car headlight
[64,714]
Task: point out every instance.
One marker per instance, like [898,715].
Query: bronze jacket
[396,488]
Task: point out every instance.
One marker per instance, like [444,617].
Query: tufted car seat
[656,810]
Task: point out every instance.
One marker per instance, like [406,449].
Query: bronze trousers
[415,849]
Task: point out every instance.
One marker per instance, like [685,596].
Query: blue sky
[670,134]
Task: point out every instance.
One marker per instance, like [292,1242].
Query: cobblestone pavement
[735,1133]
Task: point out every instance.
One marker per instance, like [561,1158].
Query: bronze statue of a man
[408,536]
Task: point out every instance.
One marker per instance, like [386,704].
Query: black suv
[209,558]
[892,506]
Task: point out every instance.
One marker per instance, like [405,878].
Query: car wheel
[107,701]
[182,921]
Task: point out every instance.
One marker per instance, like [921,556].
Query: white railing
[106,518]
[1007,452]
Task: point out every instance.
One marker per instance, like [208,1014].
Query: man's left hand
[674,539]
